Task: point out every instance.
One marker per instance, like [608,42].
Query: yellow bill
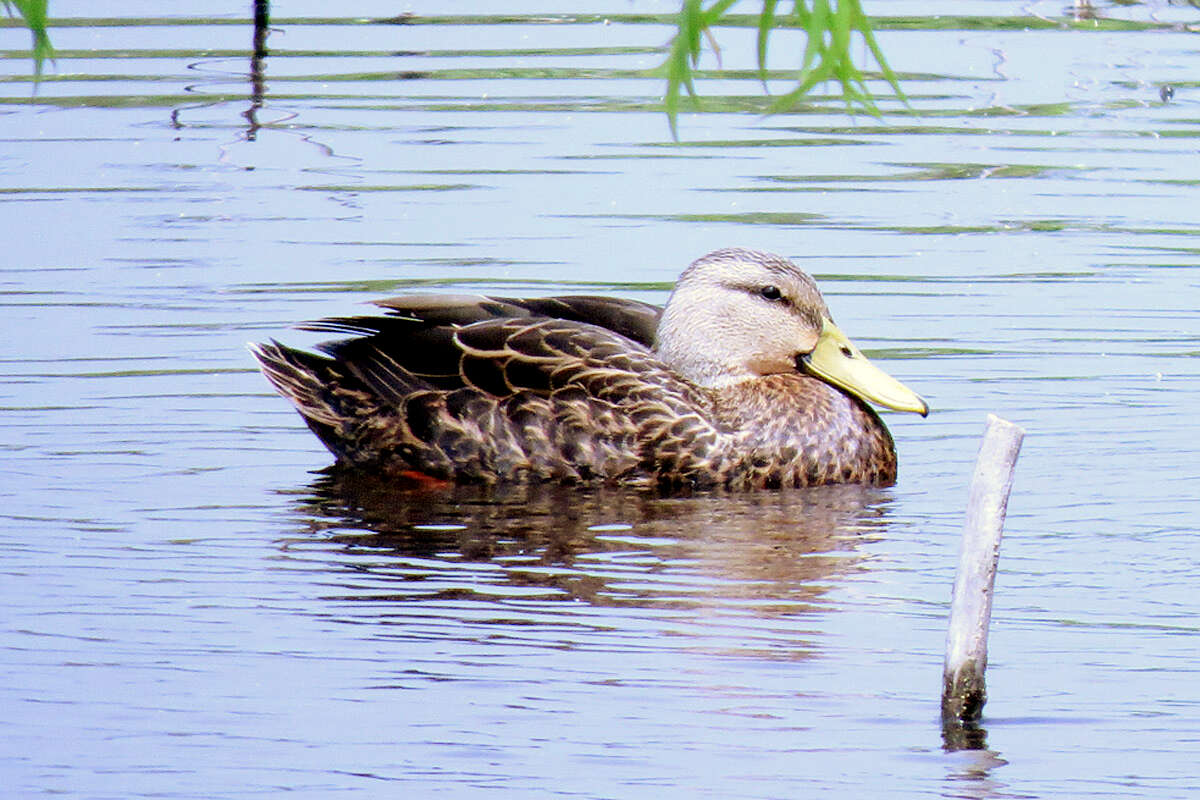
[837,361]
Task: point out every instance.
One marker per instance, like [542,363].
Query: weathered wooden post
[963,688]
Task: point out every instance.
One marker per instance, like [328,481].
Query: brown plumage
[719,389]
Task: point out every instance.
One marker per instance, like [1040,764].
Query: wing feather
[481,388]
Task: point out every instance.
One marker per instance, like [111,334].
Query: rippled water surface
[193,606]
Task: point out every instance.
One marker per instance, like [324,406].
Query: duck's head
[740,314]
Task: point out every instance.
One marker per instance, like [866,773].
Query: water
[192,608]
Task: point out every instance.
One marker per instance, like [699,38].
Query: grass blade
[34,12]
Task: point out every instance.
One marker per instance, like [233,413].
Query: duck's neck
[708,350]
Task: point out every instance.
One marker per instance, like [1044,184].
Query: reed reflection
[262,16]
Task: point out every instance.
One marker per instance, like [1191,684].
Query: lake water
[192,608]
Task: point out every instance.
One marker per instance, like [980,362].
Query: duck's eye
[771,292]
[847,352]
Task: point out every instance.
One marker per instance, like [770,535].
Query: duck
[741,381]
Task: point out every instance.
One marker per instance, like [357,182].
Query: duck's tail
[305,380]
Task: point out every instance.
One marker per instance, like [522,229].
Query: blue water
[192,609]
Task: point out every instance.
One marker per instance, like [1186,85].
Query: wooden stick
[963,688]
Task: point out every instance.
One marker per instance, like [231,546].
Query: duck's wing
[498,357]
[632,319]
[511,395]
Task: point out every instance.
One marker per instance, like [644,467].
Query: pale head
[736,315]
[739,314]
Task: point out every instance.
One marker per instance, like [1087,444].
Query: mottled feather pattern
[560,400]
[568,389]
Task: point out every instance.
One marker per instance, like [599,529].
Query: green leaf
[34,14]
[766,22]
[829,27]
[714,14]
[864,28]
[685,48]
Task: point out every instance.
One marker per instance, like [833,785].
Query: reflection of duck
[742,380]
[774,552]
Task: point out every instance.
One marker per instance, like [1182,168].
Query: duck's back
[480,389]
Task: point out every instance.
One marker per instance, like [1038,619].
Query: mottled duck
[741,381]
